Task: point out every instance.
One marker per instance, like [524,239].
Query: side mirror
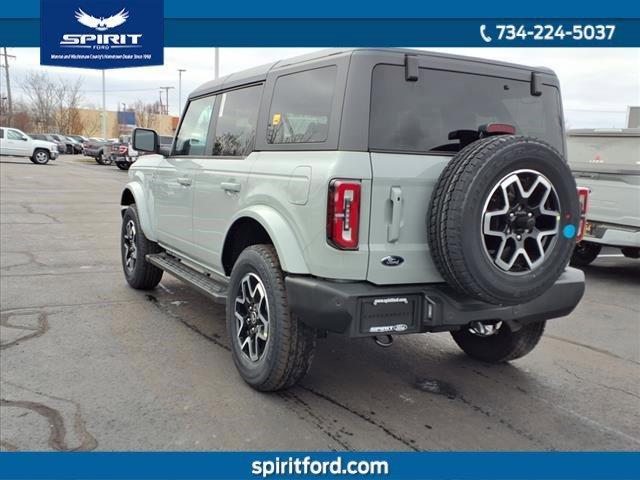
[24,139]
[146,140]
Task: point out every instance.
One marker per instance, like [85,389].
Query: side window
[1,132]
[301,107]
[237,119]
[192,137]
[13,135]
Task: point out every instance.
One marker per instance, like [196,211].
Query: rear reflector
[583,197]
[343,214]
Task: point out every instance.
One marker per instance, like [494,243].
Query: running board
[203,282]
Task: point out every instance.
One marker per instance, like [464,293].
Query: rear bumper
[613,235]
[361,309]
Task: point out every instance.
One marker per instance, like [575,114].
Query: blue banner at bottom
[396,465]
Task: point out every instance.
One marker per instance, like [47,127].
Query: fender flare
[135,189]
[284,239]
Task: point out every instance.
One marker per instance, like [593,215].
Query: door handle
[185,181]
[393,231]
[230,186]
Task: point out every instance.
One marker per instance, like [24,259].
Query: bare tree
[68,96]
[53,104]
[40,96]
[146,114]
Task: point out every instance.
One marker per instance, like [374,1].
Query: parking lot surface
[88,363]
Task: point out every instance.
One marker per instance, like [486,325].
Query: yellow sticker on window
[276,119]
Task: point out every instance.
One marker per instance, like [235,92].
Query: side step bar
[203,282]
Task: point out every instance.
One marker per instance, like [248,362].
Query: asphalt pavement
[88,363]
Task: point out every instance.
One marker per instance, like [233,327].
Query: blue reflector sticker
[569,231]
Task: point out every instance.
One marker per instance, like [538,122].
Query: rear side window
[421,116]
[301,107]
[192,137]
[237,119]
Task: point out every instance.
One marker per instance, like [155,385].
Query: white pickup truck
[16,143]
[608,162]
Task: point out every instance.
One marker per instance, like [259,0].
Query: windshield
[437,112]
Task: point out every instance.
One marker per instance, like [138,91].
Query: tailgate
[400,198]
[614,198]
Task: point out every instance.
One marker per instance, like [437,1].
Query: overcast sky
[597,84]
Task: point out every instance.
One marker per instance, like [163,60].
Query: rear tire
[134,247]
[503,346]
[123,165]
[275,354]
[40,156]
[584,253]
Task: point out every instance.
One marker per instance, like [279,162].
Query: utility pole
[104,107]
[217,63]
[6,70]
[166,94]
[180,71]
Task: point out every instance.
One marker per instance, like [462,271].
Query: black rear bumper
[361,309]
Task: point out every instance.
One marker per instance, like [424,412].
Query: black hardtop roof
[259,73]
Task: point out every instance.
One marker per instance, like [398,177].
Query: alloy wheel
[520,221]
[251,313]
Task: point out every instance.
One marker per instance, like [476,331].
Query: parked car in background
[16,143]
[76,145]
[62,139]
[123,154]
[99,149]
[608,162]
[62,147]
[80,138]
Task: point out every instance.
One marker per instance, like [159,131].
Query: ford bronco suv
[368,193]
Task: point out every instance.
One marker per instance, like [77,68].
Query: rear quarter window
[301,106]
[420,116]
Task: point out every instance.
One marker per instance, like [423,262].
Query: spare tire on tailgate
[503,219]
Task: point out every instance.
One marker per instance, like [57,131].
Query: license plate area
[389,315]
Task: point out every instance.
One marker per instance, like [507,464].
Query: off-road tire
[291,344]
[584,253]
[503,346]
[41,156]
[144,276]
[455,215]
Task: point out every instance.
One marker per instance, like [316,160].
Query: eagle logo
[101,24]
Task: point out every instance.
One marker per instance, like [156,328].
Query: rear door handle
[185,181]
[393,231]
[230,186]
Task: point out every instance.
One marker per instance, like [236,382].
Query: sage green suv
[368,193]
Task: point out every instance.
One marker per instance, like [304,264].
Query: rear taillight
[343,214]
[583,197]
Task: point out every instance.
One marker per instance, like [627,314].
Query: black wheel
[503,218]
[584,253]
[271,349]
[41,157]
[498,343]
[631,252]
[123,165]
[139,273]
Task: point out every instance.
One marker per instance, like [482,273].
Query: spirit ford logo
[101,24]
[102,34]
[101,39]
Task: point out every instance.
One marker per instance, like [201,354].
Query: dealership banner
[101,34]
[64,28]
[396,465]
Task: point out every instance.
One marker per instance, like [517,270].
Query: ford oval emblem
[392,261]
